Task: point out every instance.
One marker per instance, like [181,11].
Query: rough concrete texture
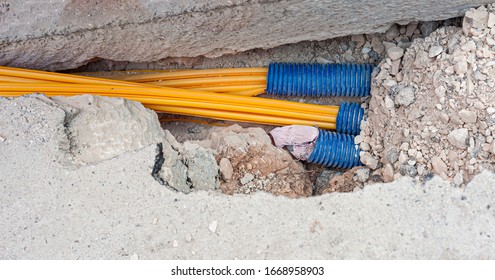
[173,171]
[65,34]
[202,168]
[101,128]
[114,209]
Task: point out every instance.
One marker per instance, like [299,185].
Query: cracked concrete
[60,34]
[114,209]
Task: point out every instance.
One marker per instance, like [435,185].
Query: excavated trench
[96,177]
[234,166]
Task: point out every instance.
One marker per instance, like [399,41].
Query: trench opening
[408,125]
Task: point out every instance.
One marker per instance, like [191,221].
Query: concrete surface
[51,208]
[101,128]
[62,34]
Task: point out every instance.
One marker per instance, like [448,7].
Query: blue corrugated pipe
[295,79]
[335,150]
[349,118]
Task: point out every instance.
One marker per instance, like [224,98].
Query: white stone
[467,116]
[359,39]
[469,46]
[402,158]
[395,53]
[458,137]
[491,20]
[188,237]
[213,226]
[406,96]
[411,27]
[458,180]
[388,173]
[392,32]
[438,165]
[389,103]
[404,146]
[365,146]
[362,174]
[369,161]
[461,67]
[226,169]
[435,50]
[248,177]
[388,45]
[473,19]
[388,84]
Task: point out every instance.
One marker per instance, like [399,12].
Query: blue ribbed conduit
[297,79]
[349,118]
[335,150]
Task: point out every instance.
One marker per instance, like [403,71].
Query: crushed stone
[438,108]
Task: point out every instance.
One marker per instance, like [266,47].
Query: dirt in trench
[371,48]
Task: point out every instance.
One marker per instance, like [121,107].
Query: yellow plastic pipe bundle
[186,98]
[238,81]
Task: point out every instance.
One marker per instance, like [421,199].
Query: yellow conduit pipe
[249,92]
[227,89]
[187,74]
[241,80]
[173,93]
[33,76]
[58,77]
[147,101]
[9,79]
[241,117]
[128,72]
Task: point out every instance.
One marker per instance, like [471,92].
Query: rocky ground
[369,48]
[432,109]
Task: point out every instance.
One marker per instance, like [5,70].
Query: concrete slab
[62,34]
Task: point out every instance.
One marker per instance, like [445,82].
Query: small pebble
[248,177]
[188,237]
[395,53]
[213,226]
[434,51]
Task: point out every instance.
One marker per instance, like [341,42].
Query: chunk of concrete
[107,127]
[61,34]
[458,137]
[202,168]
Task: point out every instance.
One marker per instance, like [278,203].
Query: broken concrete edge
[88,130]
[211,31]
[248,161]
[99,205]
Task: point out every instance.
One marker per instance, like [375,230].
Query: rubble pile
[432,109]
